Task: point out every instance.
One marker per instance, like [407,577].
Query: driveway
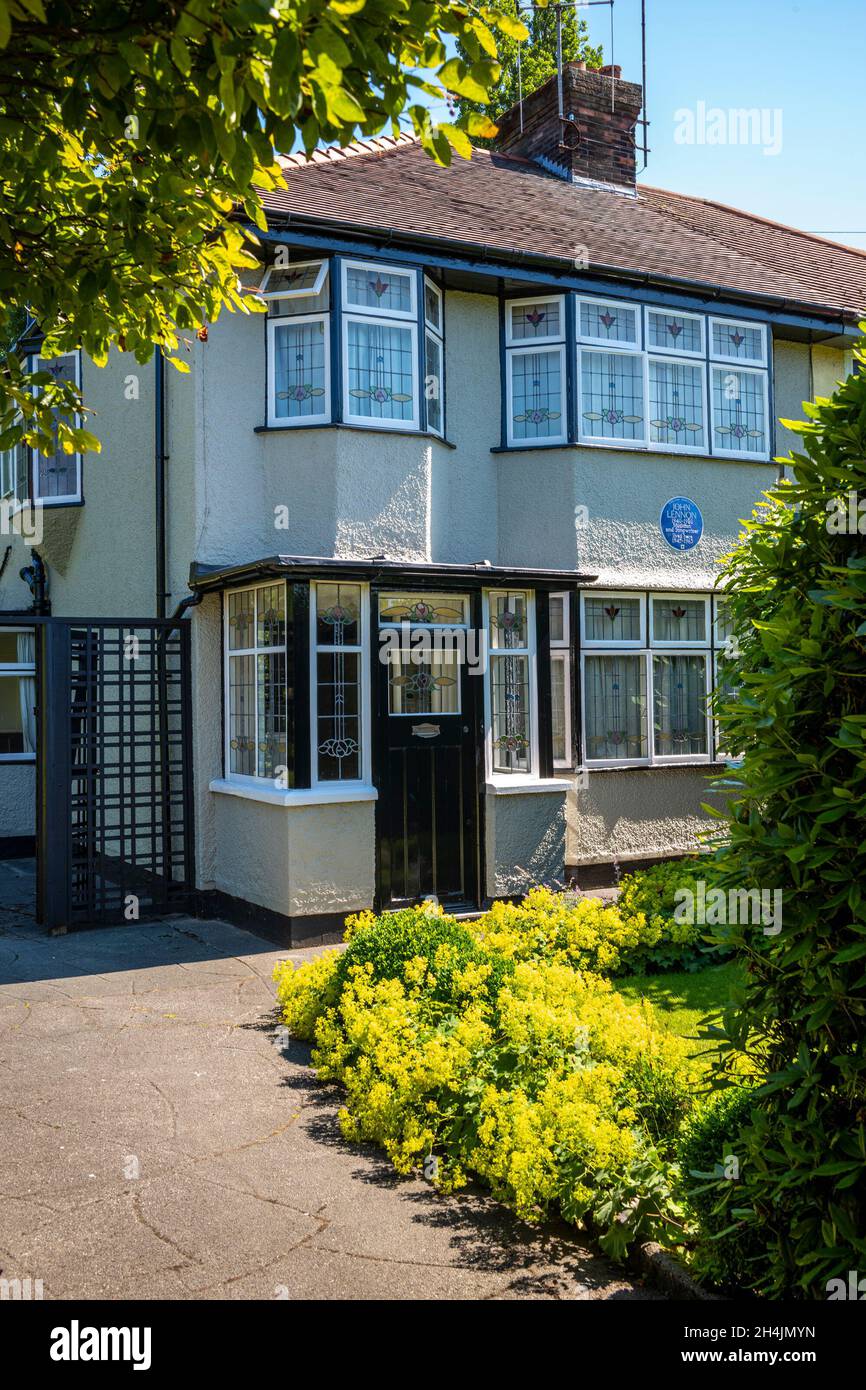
[155,1142]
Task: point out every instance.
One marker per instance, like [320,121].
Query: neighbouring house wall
[17,800]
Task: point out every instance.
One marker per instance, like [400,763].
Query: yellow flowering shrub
[459,1055]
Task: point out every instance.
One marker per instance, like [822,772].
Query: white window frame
[560,651]
[69,498]
[587,340]
[603,643]
[680,759]
[364,677]
[719,602]
[10,670]
[512,341]
[530,651]
[373,311]
[310,292]
[281,422]
[380,422]
[542,345]
[681,361]
[438,334]
[693,354]
[661,644]
[245,778]
[613,649]
[745,455]
[737,361]
[595,439]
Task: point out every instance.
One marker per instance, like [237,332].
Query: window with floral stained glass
[339,622]
[380,372]
[57,476]
[676,404]
[434,357]
[510,680]
[680,690]
[560,678]
[609,619]
[672,332]
[256,695]
[734,341]
[614,705]
[611,395]
[608,322]
[677,620]
[739,411]
[535,370]
[299,320]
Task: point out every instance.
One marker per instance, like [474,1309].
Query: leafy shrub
[728,1251]
[796,822]
[529,1075]
[636,934]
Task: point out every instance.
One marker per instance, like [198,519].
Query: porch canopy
[204,578]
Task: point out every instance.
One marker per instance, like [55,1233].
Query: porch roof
[209,577]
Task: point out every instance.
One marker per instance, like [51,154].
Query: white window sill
[296,796]
[520,784]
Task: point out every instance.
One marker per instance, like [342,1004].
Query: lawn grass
[682,998]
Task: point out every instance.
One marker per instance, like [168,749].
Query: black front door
[427,707]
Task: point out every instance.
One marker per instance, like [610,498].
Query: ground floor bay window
[647,669]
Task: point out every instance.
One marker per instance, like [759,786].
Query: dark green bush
[729,1250]
[796,823]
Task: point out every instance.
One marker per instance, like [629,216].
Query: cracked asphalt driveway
[155,1142]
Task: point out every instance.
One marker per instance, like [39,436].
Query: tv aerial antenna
[558,9]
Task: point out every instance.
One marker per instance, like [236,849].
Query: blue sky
[805,61]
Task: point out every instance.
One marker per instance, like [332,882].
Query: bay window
[255,694]
[299,388]
[380,345]
[434,357]
[339,615]
[647,670]
[56,476]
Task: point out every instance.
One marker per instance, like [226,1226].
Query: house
[443,526]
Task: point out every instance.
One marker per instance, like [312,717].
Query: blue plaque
[681,523]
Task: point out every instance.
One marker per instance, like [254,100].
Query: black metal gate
[114,771]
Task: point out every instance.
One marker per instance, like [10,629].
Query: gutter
[204,578]
[502,256]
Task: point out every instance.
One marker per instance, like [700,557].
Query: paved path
[156,1143]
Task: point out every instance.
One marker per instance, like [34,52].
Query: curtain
[615,697]
[680,705]
[27,691]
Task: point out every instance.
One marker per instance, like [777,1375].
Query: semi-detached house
[444,523]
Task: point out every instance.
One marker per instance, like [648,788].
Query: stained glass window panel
[381,371]
[679,706]
[418,686]
[679,620]
[676,403]
[338,615]
[298,280]
[57,474]
[242,715]
[608,323]
[536,394]
[433,383]
[272,746]
[540,320]
[338,741]
[611,619]
[509,620]
[615,707]
[612,395]
[433,306]
[739,412]
[509,679]
[740,342]
[674,332]
[242,620]
[558,696]
[300,380]
[271,616]
[557,618]
[442,609]
[379,288]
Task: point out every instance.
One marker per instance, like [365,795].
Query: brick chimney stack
[595,136]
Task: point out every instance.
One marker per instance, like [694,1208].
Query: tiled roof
[511,207]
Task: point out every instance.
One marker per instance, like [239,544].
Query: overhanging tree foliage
[797,822]
[130,133]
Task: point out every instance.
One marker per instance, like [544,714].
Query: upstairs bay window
[642,376]
[354,342]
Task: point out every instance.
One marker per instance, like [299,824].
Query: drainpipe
[35,576]
[159,470]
